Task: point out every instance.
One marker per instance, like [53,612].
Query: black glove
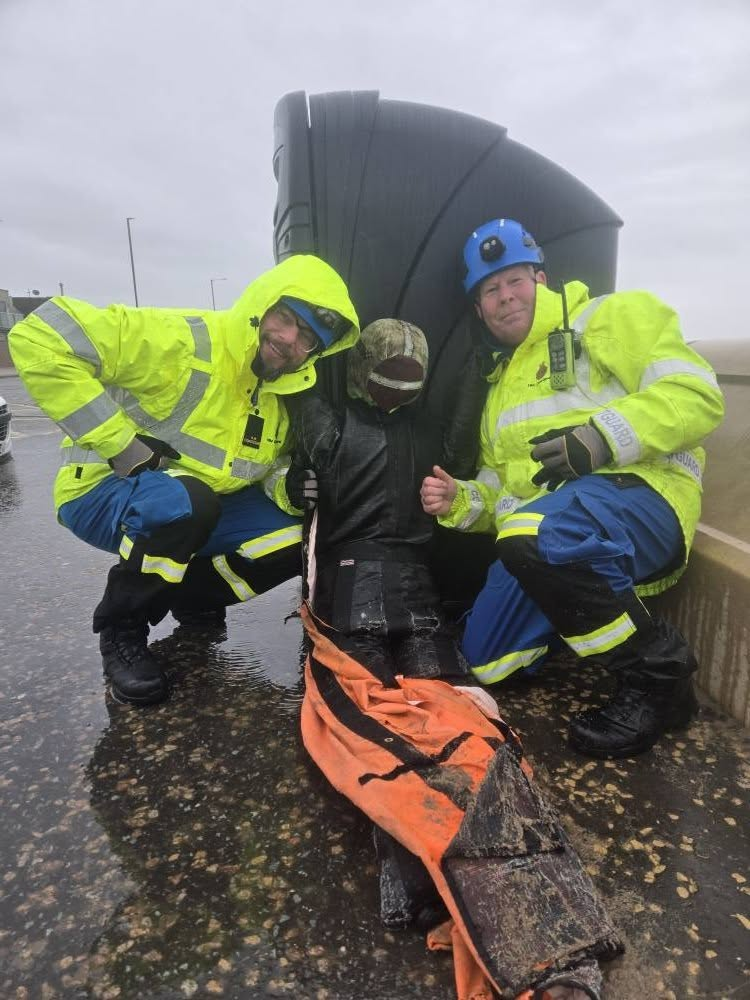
[142,453]
[568,453]
[583,979]
[301,487]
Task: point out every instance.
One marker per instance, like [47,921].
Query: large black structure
[387,192]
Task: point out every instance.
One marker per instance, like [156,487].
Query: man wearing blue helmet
[590,477]
[176,447]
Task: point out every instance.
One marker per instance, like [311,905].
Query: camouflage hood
[398,350]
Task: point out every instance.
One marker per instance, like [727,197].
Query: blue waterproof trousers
[182,546]
[568,564]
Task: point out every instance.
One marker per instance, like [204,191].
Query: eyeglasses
[307,339]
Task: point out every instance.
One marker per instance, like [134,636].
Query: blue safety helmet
[326,324]
[496,245]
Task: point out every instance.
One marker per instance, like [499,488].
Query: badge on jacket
[253,431]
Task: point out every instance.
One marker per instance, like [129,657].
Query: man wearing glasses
[288,334]
[176,447]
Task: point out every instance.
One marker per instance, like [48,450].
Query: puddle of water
[191,848]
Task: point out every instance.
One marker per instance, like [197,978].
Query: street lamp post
[213,299]
[130,219]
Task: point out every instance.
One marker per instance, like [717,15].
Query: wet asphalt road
[190,850]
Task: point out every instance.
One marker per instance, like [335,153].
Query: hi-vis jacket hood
[650,395]
[300,277]
[180,375]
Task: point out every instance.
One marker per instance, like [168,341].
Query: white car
[6,448]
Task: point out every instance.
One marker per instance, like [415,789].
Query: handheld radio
[562,352]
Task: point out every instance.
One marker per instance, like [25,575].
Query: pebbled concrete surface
[190,850]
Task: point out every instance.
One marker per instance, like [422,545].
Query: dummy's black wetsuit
[373,541]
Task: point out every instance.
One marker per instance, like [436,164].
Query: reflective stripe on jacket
[652,397]
[179,375]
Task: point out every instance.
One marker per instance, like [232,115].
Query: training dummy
[390,714]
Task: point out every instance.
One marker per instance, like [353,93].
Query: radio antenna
[564,306]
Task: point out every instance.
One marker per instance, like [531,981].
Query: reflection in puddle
[189,850]
[239,868]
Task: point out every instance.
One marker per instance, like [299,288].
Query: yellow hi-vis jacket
[181,376]
[650,395]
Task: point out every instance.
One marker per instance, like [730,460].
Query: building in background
[9,312]
[26,304]
[13,309]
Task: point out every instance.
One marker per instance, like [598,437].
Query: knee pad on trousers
[206,506]
[269,571]
[178,540]
[133,593]
[203,587]
[571,595]
[520,555]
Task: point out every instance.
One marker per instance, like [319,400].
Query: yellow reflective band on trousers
[498,670]
[264,545]
[126,547]
[520,523]
[167,569]
[239,586]
[602,639]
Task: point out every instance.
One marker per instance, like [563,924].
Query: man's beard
[265,372]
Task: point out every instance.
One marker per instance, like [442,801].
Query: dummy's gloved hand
[301,487]
[568,453]
[142,453]
[581,981]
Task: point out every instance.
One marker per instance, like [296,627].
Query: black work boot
[634,719]
[134,674]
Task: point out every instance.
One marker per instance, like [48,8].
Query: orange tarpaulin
[432,770]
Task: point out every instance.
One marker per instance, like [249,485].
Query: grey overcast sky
[163,110]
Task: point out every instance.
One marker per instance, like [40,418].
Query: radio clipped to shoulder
[564,347]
